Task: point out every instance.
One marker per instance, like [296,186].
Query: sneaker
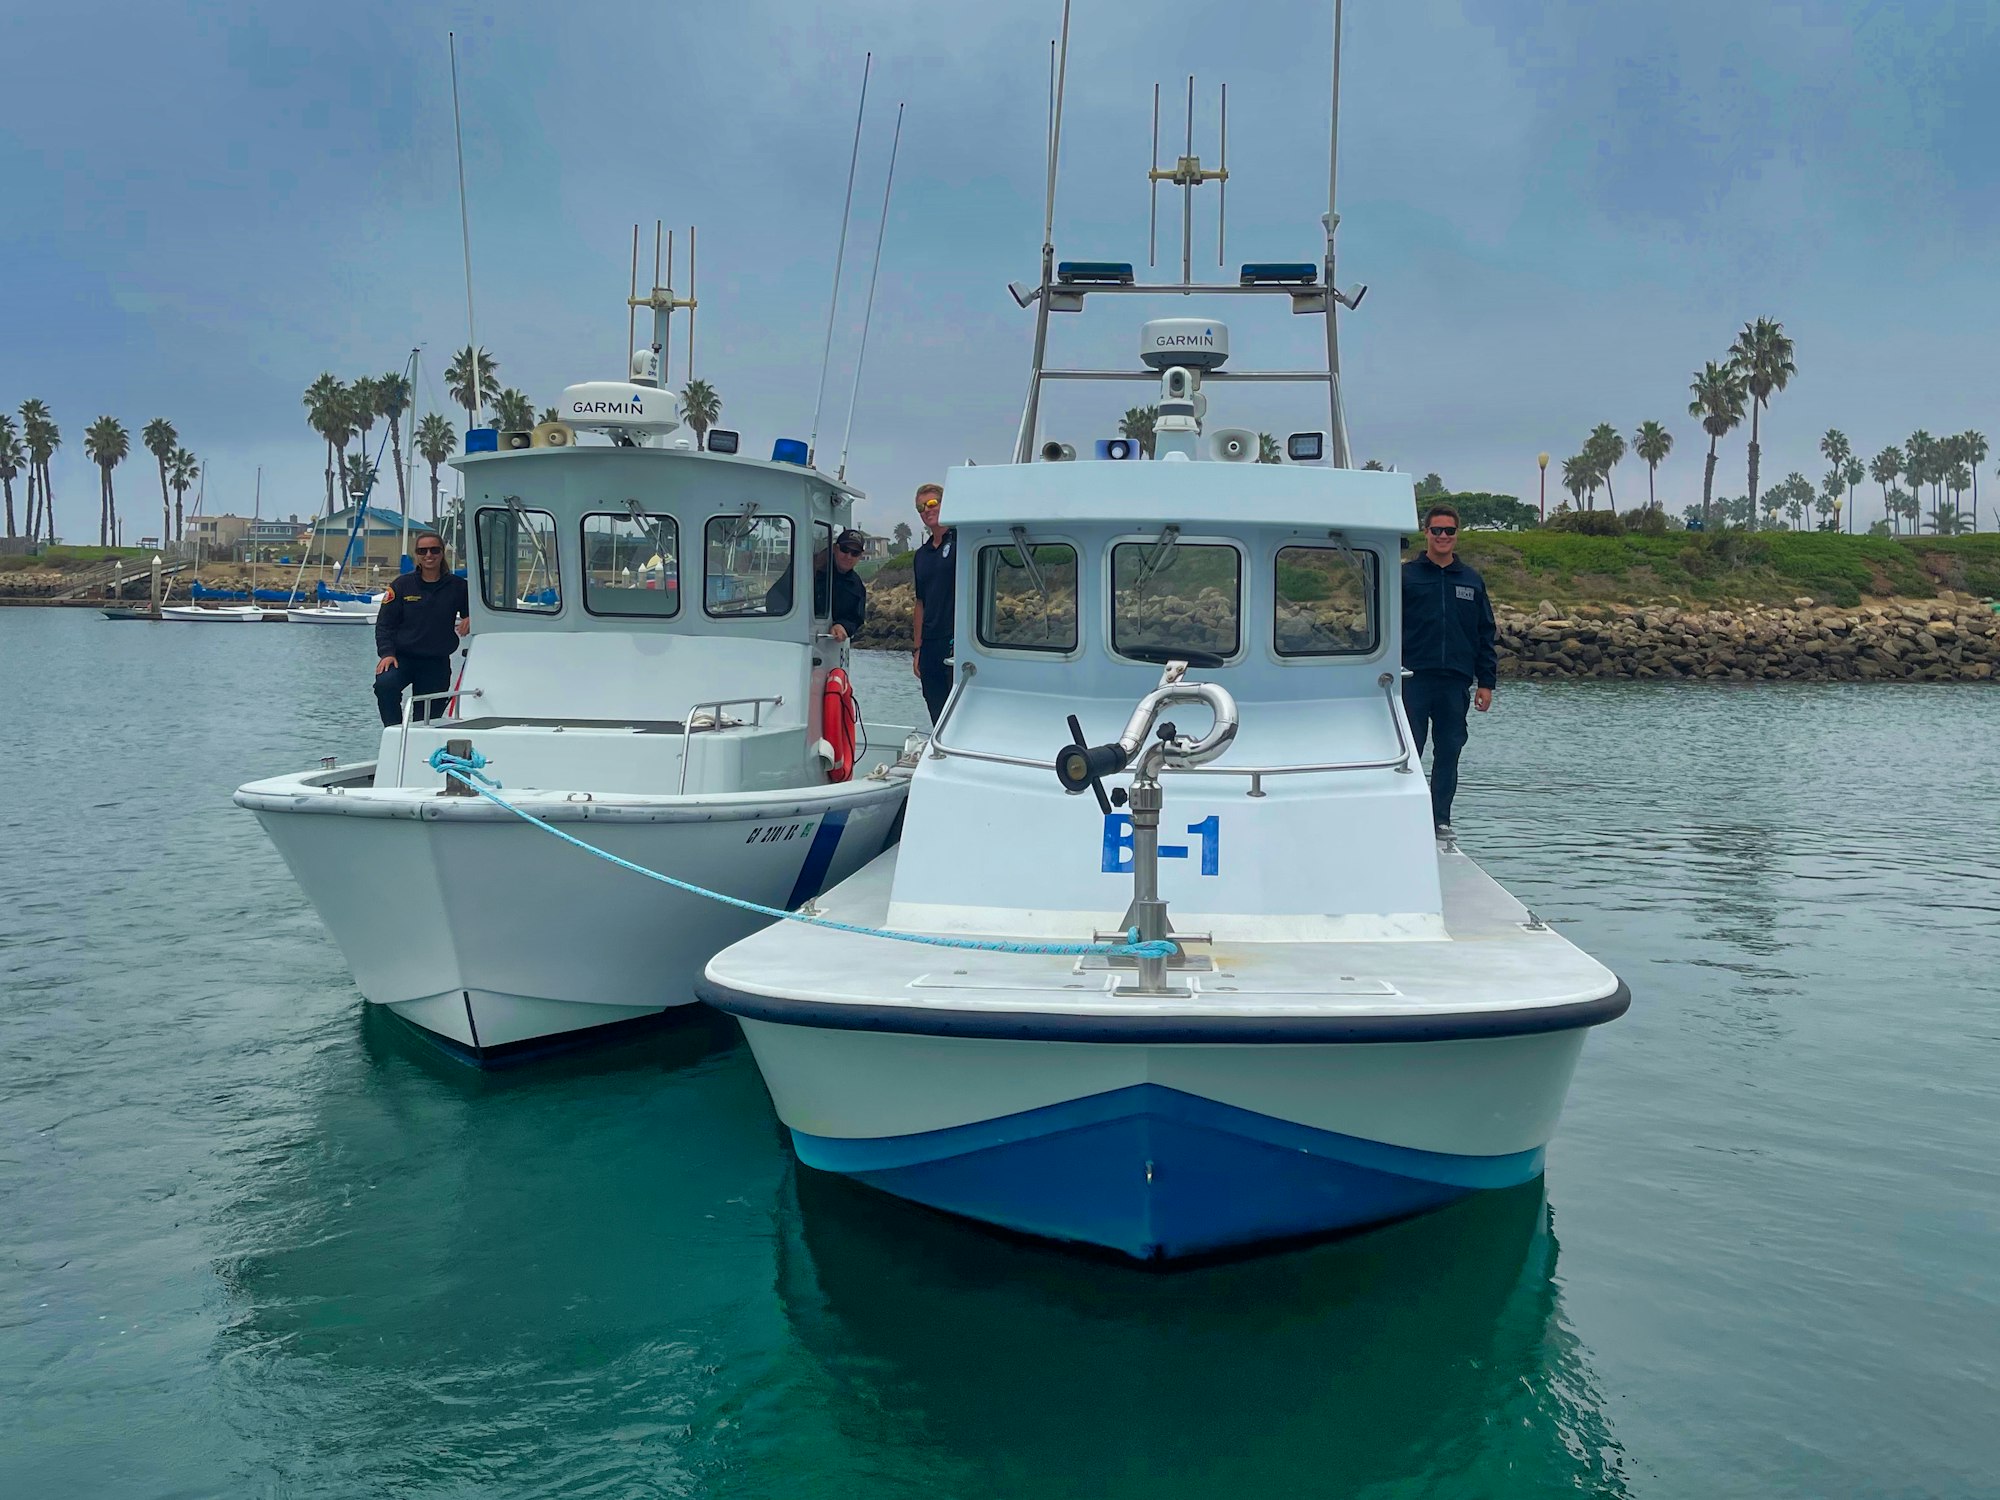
[1446,834]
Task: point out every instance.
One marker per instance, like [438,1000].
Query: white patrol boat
[651,669]
[1354,1022]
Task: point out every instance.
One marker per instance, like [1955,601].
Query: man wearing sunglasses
[1448,647]
[838,591]
[417,630]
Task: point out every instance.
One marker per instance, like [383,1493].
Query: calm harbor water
[255,1240]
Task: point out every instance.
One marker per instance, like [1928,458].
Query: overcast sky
[1561,208]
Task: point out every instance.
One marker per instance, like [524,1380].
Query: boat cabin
[1078,581]
[643,619]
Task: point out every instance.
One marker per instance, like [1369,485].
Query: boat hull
[494,937]
[1162,1152]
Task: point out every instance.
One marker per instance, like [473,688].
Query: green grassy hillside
[1524,567]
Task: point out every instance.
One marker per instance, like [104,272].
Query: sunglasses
[1444,531]
[851,551]
[430,551]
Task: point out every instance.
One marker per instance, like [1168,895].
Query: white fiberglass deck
[1498,960]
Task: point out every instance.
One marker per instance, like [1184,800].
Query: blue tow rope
[470,771]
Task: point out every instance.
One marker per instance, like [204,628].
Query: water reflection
[447,1278]
[1430,1351]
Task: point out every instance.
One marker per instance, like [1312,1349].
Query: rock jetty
[1952,638]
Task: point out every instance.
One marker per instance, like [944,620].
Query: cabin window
[1175,600]
[631,565]
[822,566]
[517,560]
[1326,602]
[749,567]
[1027,602]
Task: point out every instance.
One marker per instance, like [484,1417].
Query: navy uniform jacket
[934,572]
[421,619]
[1448,621]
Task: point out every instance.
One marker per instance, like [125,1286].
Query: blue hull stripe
[1157,1173]
[819,859]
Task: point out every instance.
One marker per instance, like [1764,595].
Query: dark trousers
[936,679]
[1436,703]
[420,674]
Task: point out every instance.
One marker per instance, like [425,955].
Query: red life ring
[839,718]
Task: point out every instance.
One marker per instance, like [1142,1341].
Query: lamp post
[1836,515]
[1542,463]
[156,585]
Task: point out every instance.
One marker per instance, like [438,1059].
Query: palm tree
[13,457]
[1137,424]
[1773,502]
[1958,479]
[160,440]
[1852,473]
[1836,450]
[182,471]
[1888,464]
[1921,462]
[1652,443]
[106,443]
[1829,497]
[1945,520]
[435,442]
[392,399]
[326,414]
[1373,466]
[903,536]
[513,411]
[1803,498]
[34,417]
[468,394]
[549,414]
[1578,475]
[363,407]
[1605,448]
[701,406]
[1268,451]
[1719,394]
[43,442]
[359,476]
[1763,355]
[1972,448]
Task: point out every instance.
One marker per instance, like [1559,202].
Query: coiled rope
[470,772]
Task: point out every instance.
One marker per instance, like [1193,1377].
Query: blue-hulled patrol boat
[1355,1023]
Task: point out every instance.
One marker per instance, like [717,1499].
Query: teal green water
[254,1240]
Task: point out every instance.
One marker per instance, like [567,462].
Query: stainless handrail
[719,704]
[1256,773]
[410,702]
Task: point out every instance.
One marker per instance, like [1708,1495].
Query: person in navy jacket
[416,631]
[1448,637]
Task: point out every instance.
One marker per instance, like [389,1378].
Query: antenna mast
[1025,441]
[868,313]
[839,259]
[1187,174]
[465,235]
[1342,459]
[661,299]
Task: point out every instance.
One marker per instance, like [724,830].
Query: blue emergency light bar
[1094,273]
[1279,273]
[790,451]
[482,440]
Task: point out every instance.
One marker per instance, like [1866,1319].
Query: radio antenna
[632,302]
[1024,441]
[1153,188]
[1341,455]
[868,312]
[660,342]
[690,302]
[839,258]
[478,403]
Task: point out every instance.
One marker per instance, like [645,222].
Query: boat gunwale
[1165,1030]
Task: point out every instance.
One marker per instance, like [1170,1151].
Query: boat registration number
[1118,844]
